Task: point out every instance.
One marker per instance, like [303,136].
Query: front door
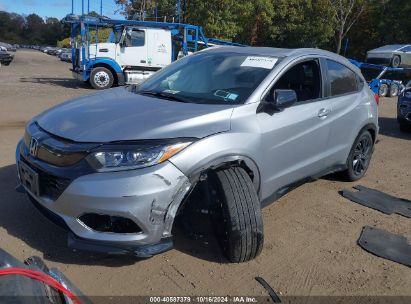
[294,140]
[133,50]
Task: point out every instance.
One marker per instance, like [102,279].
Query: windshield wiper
[164,96]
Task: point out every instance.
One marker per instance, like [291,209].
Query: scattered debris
[379,201]
[386,245]
[271,292]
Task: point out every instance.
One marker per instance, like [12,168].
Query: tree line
[350,27]
[31,29]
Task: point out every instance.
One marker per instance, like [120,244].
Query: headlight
[118,158]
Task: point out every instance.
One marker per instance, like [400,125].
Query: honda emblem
[34,146]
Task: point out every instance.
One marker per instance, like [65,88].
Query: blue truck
[134,51]
[384,81]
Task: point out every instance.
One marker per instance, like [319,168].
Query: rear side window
[342,79]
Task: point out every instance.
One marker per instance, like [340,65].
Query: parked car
[5,58]
[65,56]
[394,55]
[404,110]
[116,167]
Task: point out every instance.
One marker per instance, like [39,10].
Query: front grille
[52,186]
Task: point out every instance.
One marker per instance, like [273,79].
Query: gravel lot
[311,233]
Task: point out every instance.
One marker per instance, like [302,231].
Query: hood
[117,114]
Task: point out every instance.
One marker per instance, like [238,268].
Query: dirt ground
[310,234]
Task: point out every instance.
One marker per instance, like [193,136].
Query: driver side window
[135,38]
[304,78]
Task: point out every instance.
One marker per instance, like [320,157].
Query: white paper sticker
[260,62]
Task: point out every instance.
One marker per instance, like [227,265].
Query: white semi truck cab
[135,55]
[135,50]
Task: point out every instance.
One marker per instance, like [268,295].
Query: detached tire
[236,214]
[360,156]
[101,78]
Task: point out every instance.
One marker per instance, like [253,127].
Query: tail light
[377,99]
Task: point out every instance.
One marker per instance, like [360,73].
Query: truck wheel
[396,61]
[394,89]
[383,90]
[360,156]
[101,78]
[236,214]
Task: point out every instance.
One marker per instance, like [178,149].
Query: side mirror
[284,99]
[280,100]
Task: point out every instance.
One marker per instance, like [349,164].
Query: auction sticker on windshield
[259,62]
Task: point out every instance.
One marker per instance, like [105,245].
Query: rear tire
[396,61]
[383,90]
[360,156]
[236,214]
[101,78]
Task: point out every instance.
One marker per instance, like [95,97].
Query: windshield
[210,78]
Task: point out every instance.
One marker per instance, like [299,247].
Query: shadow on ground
[389,127]
[22,220]
[69,83]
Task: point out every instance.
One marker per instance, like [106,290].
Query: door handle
[323,112]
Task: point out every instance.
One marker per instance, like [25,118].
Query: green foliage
[31,29]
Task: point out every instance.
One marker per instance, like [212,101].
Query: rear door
[294,140]
[344,95]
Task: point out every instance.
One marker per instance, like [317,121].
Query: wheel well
[104,65]
[198,203]
[373,133]
[206,174]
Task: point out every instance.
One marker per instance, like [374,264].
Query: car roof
[274,52]
[390,47]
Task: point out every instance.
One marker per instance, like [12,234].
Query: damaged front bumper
[144,199]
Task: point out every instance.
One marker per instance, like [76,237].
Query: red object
[377,99]
[40,276]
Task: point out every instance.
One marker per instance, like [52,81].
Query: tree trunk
[339,40]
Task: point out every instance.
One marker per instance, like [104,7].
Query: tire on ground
[236,214]
[101,78]
[350,173]
[383,90]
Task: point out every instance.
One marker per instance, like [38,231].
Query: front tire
[101,78]
[359,157]
[236,214]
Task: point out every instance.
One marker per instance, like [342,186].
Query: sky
[57,8]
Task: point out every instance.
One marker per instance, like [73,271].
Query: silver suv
[116,167]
